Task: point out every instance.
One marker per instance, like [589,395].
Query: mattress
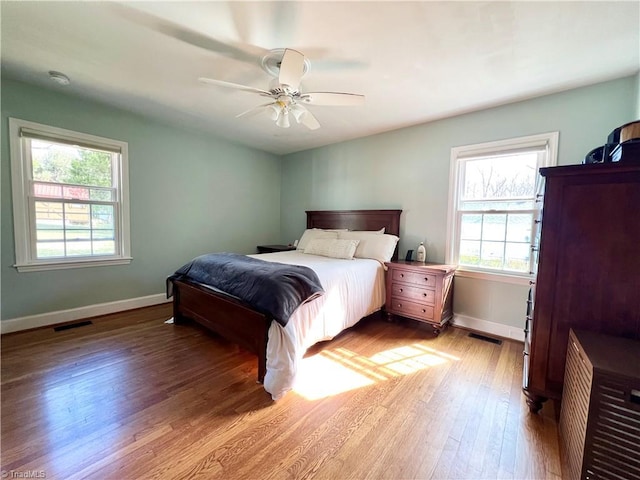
[353,289]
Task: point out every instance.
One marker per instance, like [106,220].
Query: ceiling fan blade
[332,98]
[291,68]
[255,110]
[304,116]
[244,53]
[221,83]
[310,121]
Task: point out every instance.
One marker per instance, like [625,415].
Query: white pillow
[381,231]
[313,233]
[372,245]
[332,247]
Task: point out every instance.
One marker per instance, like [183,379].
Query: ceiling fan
[289,66]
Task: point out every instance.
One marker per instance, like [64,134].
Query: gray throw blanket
[275,289]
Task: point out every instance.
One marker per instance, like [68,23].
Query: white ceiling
[414,61]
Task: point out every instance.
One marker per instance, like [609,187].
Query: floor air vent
[73,325]
[486,339]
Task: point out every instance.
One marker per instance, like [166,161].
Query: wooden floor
[131,397]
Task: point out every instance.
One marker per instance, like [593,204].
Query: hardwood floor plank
[131,397]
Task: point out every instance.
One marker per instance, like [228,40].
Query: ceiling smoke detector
[59,77]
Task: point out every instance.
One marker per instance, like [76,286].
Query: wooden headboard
[357,220]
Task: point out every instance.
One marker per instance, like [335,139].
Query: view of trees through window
[496,212]
[74,195]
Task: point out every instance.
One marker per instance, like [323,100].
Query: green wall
[409,169]
[190,192]
[193,193]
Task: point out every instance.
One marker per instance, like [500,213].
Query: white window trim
[26,261]
[548,140]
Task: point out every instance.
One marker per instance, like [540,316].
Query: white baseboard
[490,328]
[62,316]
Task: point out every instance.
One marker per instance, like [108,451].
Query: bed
[279,348]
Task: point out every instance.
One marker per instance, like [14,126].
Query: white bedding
[353,290]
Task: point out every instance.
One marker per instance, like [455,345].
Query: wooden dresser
[421,291]
[589,267]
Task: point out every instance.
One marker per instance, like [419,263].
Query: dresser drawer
[415,278]
[408,292]
[400,306]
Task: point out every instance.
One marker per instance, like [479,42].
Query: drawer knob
[399,305]
[426,279]
[424,294]
[402,275]
[424,311]
[401,290]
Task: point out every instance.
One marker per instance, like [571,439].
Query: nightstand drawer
[401,306]
[414,277]
[418,294]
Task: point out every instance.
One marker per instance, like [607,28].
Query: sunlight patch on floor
[339,370]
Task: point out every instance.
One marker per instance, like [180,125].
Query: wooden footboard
[224,315]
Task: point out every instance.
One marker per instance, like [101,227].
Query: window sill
[494,277]
[63,265]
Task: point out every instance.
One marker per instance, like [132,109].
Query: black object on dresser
[589,267]
[274,248]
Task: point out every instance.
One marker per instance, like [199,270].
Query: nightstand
[421,291]
[274,248]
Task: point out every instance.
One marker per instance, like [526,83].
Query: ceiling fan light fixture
[298,112]
[274,112]
[283,119]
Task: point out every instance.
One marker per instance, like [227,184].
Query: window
[495,204]
[70,198]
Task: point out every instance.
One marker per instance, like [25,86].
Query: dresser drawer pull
[399,305]
[426,279]
[424,311]
[401,290]
[424,294]
[402,275]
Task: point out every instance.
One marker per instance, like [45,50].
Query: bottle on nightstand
[421,253]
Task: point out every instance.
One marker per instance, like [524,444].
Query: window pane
[102,221]
[500,177]
[76,193]
[493,227]
[73,234]
[102,194]
[49,249]
[492,254]
[517,257]
[49,234]
[519,227]
[78,248]
[47,190]
[77,215]
[49,215]
[469,253]
[60,163]
[471,227]
[104,247]
[497,205]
